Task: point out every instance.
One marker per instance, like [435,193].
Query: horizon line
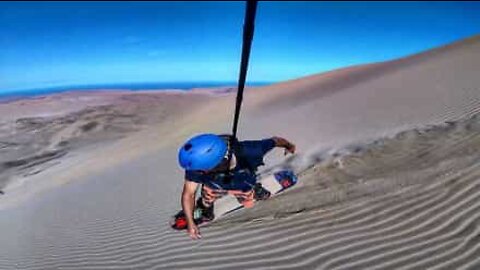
[160,85]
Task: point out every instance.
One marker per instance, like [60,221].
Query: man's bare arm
[188,204]
[281,142]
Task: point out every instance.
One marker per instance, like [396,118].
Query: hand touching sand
[194,232]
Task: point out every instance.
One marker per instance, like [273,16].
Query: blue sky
[48,44]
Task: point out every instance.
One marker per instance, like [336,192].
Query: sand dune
[370,101]
[388,162]
[33,140]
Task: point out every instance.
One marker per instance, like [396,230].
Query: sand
[388,159]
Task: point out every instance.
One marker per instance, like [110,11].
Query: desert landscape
[388,159]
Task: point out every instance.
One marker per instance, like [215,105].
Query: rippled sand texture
[408,202]
[389,168]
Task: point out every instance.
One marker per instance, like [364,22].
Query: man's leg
[205,203]
[248,198]
[245,198]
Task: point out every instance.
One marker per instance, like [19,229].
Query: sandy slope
[365,201]
[363,102]
[72,128]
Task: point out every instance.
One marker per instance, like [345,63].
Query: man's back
[249,156]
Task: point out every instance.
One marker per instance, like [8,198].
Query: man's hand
[281,142]
[290,148]
[194,232]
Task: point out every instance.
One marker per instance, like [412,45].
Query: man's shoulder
[256,142]
[262,144]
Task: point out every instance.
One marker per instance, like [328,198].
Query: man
[205,160]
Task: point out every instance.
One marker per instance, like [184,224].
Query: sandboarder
[205,160]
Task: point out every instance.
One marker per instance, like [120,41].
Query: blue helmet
[202,152]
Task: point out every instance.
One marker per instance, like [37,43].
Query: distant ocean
[16,94]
